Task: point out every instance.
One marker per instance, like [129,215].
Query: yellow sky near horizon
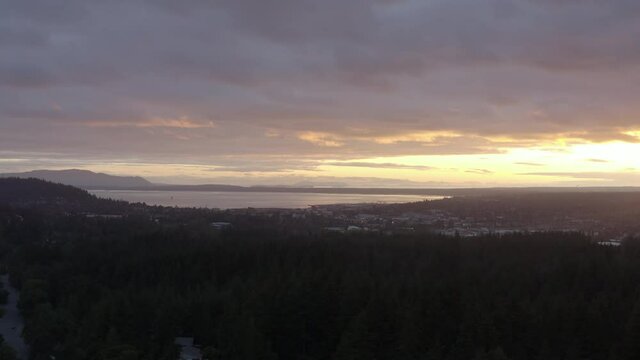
[588,164]
[392,94]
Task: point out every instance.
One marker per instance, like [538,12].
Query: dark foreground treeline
[125,288]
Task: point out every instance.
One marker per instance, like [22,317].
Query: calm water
[235,200]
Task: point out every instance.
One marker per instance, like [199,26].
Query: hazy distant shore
[253,199]
[366,191]
[99,181]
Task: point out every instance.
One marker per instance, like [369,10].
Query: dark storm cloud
[200,79]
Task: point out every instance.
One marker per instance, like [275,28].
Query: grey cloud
[357,40]
[247,165]
[24,75]
[43,11]
[357,70]
[21,37]
[379,165]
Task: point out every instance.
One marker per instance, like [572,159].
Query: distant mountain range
[97,181]
[84,179]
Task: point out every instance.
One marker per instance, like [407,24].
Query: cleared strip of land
[11,323]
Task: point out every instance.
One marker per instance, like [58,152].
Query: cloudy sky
[340,92]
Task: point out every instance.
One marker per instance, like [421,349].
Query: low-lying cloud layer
[220,82]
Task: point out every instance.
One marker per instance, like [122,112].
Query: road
[11,323]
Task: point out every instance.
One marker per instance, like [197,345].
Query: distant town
[608,218]
[391,220]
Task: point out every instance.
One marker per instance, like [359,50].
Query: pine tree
[356,342]
[631,344]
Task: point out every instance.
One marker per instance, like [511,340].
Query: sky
[378,93]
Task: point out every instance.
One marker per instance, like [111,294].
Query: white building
[221,225]
[612,242]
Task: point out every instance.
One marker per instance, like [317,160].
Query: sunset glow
[394,93]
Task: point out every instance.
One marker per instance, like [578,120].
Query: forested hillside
[123,289]
[126,287]
[83,178]
[48,196]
